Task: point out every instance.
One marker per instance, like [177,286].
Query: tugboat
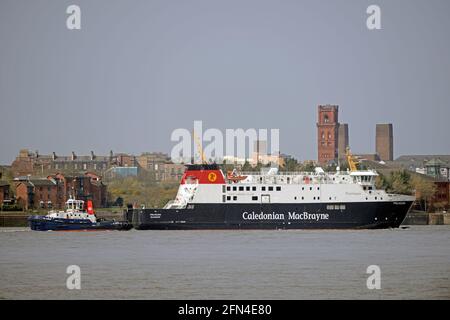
[75,218]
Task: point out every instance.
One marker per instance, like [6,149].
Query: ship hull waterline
[356,215]
[41,223]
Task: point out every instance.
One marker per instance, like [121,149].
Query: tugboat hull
[43,223]
[363,215]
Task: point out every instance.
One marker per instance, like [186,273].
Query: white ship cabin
[335,188]
[74,210]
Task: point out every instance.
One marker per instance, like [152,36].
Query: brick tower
[384,141]
[327,134]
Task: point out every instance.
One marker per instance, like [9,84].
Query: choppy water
[414,262]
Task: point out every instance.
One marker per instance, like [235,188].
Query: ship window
[228,188]
[254,188]
[263,188]
[303,188]
[234,198]
[223,198]
[318,188]
[303,198]
[336,207]
[364,188]
[329,198]
[234,188]
[255,198]
[295,198]
[247,188]
[342,206]
[228,198]
[370,188]
[318,198]
[278,188]
[314,198]
[375,198]
[223,189]
[241,188]
[270,188]
[310,188]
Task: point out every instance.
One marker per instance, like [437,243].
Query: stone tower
[327,134]
[343,141]
[385,141]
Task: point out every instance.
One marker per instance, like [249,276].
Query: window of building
[234,198]
[254,188]
[270,188]
[241,188]
[255,198]
[228,188]
[247,188]
[263,188]
[234,188]
[278,188]
[228,198]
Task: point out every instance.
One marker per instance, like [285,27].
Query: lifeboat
[234,176]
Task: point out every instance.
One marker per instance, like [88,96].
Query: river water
[295,264]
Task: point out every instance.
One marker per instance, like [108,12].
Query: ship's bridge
[363,177]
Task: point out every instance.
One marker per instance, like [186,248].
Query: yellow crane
[352,162]
[200,149]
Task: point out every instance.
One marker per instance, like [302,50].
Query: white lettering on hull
[280,216]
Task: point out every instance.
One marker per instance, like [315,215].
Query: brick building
[384,141]
[37,193]
[55,190]
[33,163]
[150,161]
[327,134]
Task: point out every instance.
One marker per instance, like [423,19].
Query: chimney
[54,155]
[73,156]
[92,155]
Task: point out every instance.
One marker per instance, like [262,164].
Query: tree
[425,189]
[401,182]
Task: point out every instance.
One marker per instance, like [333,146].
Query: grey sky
[139,69]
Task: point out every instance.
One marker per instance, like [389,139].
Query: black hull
[356,215]
[41,223]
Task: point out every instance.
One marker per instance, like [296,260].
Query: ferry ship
[75,218]
[208,199]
